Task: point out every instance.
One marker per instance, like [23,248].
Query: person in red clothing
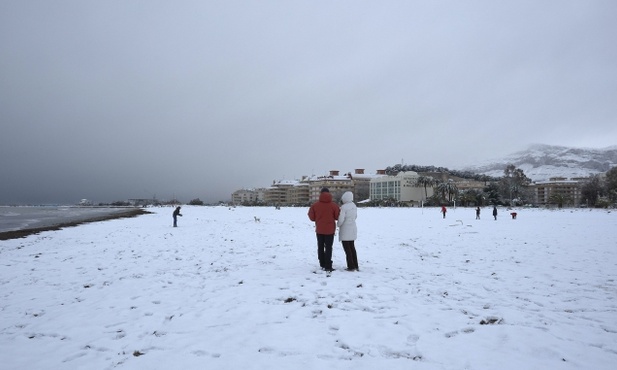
[325,214]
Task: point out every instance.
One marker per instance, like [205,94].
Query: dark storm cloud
[115,100]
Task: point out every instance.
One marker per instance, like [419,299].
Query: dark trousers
[350,255]
[175,221]
[324,250]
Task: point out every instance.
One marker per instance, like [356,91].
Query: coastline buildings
[378,186]
[403,187]
[306,191]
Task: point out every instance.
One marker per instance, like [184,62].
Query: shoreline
[17,234]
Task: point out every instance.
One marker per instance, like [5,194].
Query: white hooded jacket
[347,218]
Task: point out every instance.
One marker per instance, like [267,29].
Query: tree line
[598,193]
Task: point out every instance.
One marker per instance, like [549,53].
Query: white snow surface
[227,291]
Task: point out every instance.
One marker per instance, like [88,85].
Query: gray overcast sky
[110,100]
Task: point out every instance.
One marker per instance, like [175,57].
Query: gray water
[20,218]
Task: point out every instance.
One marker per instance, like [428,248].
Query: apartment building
[248,196]
[298,194]
[570,188]
[280,192]
[335,183]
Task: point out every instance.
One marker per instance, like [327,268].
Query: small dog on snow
[257,219]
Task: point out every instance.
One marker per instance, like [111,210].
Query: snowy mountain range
[541,162]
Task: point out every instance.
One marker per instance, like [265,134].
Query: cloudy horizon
[195,99]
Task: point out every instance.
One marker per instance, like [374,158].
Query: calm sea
[19,218]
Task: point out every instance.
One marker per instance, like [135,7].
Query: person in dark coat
[324,213]
[477,213]
[175,215]
[495,212]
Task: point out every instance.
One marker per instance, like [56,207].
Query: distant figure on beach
[324,213]
[477,213]
[444,210]
[495,212]
[348,231]
[176,214]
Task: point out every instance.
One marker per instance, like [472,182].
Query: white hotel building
[401,187]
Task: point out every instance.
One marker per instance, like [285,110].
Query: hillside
[541,162]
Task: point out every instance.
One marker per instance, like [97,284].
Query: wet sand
[25,232]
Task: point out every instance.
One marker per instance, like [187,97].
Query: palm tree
[559,199]
[442,188]
[447,187]
[451,189]
[425,181]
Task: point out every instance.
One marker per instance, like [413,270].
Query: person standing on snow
[348,231]
[444,210]
[324,213]
[175,215]
[477,213]
[495,212]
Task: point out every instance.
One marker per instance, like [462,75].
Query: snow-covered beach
[226,291]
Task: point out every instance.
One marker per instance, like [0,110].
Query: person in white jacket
[348,231]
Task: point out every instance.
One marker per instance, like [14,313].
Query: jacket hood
[347,197]
[325,197]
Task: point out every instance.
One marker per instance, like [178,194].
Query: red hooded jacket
[324,213]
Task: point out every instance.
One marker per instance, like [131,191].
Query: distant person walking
[324,213]
[444,210]
[477,213]
[175,215]
[348,231]
[495,212]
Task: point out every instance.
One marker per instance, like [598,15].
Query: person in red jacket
[325,214]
